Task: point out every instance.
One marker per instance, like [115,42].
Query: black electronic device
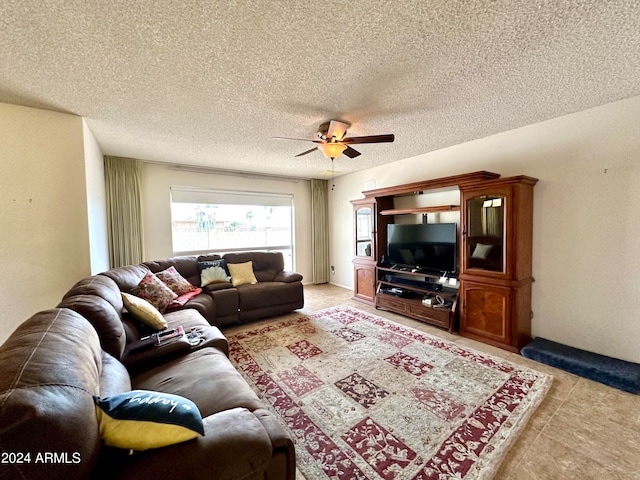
[425,246]
[398,292]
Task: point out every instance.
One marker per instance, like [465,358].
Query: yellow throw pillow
[143,419]
[144,311]
[242,273]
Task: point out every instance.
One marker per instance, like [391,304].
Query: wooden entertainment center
[488,298]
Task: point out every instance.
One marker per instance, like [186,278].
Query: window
[221,221]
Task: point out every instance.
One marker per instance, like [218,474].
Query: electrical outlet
[333,270]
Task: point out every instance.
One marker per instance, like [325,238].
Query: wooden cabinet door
[486,237]
[364,220]
[364,282]
[486,312]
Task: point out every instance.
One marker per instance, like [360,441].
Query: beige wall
[586,218]
[96,203]
[156,205]
[44,237]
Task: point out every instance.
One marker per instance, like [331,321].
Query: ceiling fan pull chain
[333,173]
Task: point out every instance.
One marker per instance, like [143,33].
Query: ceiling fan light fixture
[332,149]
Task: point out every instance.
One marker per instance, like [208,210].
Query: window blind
[229,197]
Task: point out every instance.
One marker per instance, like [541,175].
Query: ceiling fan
[333,142]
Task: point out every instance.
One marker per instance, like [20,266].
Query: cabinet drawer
[435,316]
[389,301]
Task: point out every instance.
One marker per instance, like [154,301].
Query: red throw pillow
[184,298]
[176,282]
[154,291]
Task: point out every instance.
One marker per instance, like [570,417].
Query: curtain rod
[218,171]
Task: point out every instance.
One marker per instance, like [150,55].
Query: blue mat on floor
[610,371]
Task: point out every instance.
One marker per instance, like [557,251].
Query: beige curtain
[124,212]
[320,230]
[493,220]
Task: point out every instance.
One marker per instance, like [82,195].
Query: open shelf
[405,211]
[413,287]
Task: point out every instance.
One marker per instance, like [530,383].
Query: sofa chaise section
[54,365]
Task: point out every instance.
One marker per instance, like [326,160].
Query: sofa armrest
[214,287]
[212,337]
[150,355]
[288,277]
[235,446]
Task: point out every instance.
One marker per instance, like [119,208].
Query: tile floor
[583,430]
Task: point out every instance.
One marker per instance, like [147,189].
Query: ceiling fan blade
[337,129]
[351,152]
[298,139]
[308,151]
[370,139]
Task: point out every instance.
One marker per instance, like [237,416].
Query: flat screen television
[425,246]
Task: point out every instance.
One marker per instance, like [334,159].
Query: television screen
[431,246]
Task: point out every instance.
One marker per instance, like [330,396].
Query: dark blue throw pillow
[144,419]
[213,271]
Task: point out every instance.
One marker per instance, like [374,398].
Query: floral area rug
[366,398]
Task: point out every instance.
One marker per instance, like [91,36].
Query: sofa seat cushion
[235,446]
[227,301]
[206,377]
[267,294]
[201,303]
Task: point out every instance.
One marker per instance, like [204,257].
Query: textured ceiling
[208,83]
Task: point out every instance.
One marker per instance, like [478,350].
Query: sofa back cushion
[51,368]
[101,286]
[98,299]
[208,257]
[104,318]
[127,278]
[114,378]
[266,265]
[187,266]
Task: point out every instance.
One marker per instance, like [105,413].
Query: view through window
[214,221]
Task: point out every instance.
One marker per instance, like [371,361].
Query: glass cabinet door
[485,233]
[364,232]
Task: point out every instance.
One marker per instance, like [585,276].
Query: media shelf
[494,237]
[402,291]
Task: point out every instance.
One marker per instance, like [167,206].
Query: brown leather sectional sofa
[53,365]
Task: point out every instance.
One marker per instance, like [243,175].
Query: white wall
[586,218]
[156,205]
[44,240]
[96,203]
